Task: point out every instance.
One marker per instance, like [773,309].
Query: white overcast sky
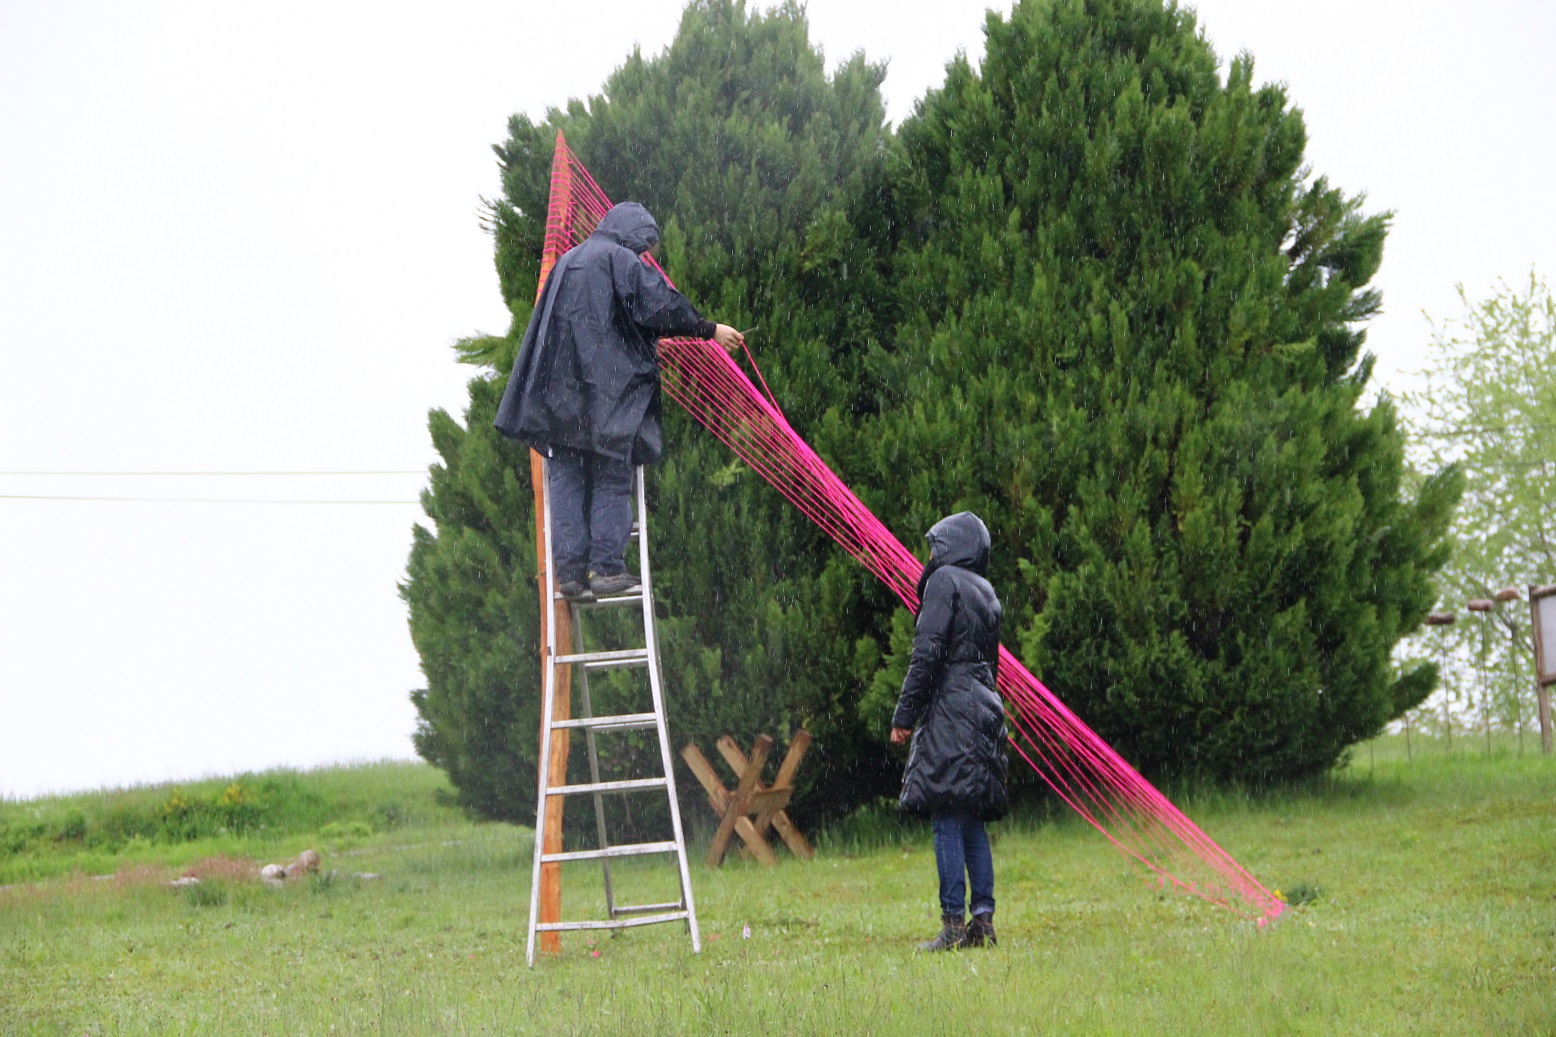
[240,237]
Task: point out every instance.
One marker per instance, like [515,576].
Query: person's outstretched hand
[900,735]
[728,337]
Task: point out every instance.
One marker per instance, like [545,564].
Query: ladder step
[635,598]
[606,660]
[637,909]
[615,923]
[620,722]
[607,786]
[624,850]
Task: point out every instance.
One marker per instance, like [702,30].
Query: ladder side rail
[547,706]
[655,683]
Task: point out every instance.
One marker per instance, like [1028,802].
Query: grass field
[1436,914]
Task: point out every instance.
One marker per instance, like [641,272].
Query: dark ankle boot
[980,931]
[575,590]
[953,935]
[621,583]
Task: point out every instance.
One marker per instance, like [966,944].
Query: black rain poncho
[587,373]
[957,760]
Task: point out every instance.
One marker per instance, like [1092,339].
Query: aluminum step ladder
[584,662]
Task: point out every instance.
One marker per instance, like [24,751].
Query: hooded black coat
[587,373]
[956,764]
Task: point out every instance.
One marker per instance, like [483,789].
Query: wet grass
[1431,909]
[282,812]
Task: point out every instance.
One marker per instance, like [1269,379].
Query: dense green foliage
[1089,291]
[1127,335]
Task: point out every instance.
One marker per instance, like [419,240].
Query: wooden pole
[1541,666]
[1485,682]
[557,612]
[1544,695]
[1447,709]
[559,215]
[1518,700]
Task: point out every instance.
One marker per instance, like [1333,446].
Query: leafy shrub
[346,830]
[180,817]
[1299,893]
[391,815]
[15,838]
[71,826]
[186,816]
[119,822]
[239,809]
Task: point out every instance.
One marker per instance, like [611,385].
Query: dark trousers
[962,853]
[591,513]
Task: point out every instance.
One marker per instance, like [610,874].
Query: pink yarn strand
[1081,769]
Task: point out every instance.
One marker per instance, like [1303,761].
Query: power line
[1467,431]
[193,500]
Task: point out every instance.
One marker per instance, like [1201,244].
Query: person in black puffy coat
[956,764]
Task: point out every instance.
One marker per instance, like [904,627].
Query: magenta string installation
[1071,758]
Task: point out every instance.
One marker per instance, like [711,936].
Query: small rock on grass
[306,861]
[276,874]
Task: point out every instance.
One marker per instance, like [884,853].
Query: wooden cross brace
[750,797]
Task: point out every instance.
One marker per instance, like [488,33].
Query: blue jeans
[591,513]
[962,853]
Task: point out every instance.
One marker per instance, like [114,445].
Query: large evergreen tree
[1129,334]
[748,152]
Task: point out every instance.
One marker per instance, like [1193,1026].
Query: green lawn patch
[267,815]
[1429,893]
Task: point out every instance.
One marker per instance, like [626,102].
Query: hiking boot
[621,583]
[980,931]
[953,935]
[575,590]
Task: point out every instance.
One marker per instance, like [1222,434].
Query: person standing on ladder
[956,766]
[584,391]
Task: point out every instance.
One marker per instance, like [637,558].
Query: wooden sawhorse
[764,803]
